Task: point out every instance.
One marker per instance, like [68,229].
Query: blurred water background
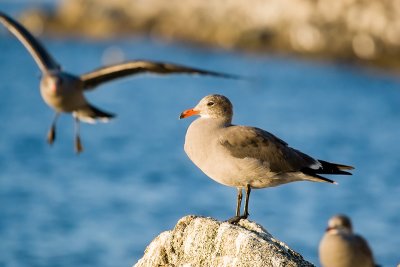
[133,180]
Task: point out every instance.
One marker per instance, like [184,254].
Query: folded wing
[248,142]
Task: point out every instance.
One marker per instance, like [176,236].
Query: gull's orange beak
[329,228]
[188,113]
[53,88]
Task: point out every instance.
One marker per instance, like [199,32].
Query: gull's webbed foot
[51,135]
[78,145]
[236,219]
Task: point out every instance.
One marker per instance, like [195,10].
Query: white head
[57,83]
[51,83]
[341,223]
[211,106]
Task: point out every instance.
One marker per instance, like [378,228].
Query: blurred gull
[63,91]
[340,247]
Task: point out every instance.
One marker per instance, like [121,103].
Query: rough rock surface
[342,29]
[200,241]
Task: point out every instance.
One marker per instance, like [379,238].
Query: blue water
[133,180]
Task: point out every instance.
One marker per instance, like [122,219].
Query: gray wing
[105,74]
[362,246]
[39,54]
[248,142]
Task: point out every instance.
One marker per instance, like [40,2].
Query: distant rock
[356,30]
[199,241]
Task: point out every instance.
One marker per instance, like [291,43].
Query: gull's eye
[210,103]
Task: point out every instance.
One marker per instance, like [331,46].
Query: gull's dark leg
[246,202]
[78,144]
[237,218]
[51,135]
[239,201]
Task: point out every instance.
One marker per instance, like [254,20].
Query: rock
[357,30]
[200,241]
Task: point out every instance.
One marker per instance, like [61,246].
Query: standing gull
[246,157]
[340,247]
[64,92]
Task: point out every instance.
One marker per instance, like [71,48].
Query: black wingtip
[333,168]
[100,114]
[2,14]
[230,76]
[194,70]
[220,75]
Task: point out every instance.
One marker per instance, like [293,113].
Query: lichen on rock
[200,241]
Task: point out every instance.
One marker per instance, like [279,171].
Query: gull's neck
[216,122]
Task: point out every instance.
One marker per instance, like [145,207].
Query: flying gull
[64,92]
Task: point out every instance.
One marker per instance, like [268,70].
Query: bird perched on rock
[64,92]
[246,157]
[340,247]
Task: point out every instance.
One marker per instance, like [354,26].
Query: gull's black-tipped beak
[188,113]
